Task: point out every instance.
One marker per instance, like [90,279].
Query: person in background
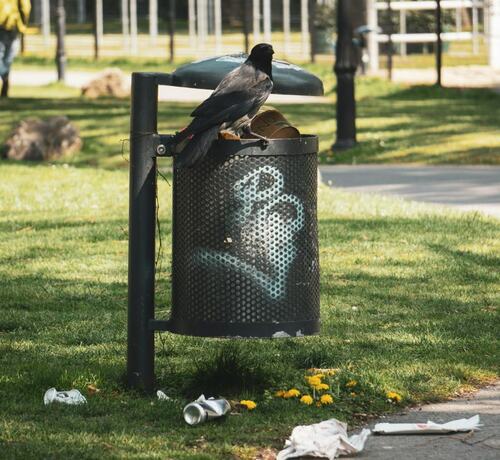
[14,15]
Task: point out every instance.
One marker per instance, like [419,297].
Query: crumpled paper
[327,439]
[72,397]
[162,396]
[463,424]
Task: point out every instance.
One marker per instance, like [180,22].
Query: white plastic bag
[73,397]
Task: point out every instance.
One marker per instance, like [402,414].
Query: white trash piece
[463,424]
[72,397]
[327,439]
[162,396]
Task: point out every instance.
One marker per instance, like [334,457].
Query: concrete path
[469,188]
[77,79]
[481,445]
[470,76]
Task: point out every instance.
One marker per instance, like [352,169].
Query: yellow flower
[250,405]
[314,380]
[306,399]
[321,386]
[351,383]
[293,393]
[393,396]
[326,399]
[279,394]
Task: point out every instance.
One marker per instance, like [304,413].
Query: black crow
[233,104]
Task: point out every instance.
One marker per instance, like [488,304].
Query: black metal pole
[246,24]
[171,28]
[345,68]
[142,225]
[390,30]
[439,48]
[60,33]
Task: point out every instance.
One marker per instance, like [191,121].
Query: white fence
[403,38]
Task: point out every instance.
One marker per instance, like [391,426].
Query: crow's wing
[229,107]
[243,83]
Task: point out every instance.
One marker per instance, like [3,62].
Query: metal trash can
[245,246]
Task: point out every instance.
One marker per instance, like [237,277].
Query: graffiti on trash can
[262,230]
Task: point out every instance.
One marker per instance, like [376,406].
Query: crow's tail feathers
[196,148]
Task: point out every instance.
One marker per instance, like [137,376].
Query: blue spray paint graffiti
[265,222]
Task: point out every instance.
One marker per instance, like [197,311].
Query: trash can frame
[146,145]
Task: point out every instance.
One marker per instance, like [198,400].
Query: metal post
[192,24]
[372,19]
[133,27]
[304,25]
[439,48]
[312,31]
[390,30]
[256,20]
[345,68]
[171,28]
[266,8]
[98,28]
[60,32]
[125,26]
[286,27]
[402,30]
[142,224]
[153,21]
[218,26]
[246,24]
[494,36]
[46,21]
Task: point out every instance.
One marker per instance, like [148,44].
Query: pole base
[343,144]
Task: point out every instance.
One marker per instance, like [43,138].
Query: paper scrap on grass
[72,397]
[463,424]
[327,439]
[162,396]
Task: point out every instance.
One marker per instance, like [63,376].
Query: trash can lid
[207,73]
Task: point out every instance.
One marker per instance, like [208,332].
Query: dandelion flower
[326,399]
[351,383]
[314,381]
[321,386]
[279,394]
[293,393]
[306,399]
[250,405]
[393,396]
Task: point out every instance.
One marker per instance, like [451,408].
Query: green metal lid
[207,73]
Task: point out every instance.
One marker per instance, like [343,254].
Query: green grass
[396,124]
[423,282]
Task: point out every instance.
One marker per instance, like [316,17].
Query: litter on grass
[162,396]
[72,397]
[455,426]
[203,410]
[327,439]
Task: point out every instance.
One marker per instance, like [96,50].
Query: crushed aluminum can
[203,410]
[72,397]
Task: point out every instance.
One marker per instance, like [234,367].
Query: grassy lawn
[396,124]
[409,298]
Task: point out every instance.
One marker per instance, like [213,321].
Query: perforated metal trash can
[245,245]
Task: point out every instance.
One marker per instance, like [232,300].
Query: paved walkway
[469,188]
[481,445]
[77,79]
[472,76]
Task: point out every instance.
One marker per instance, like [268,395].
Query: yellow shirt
[14,14]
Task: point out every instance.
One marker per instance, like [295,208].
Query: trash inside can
[245,248]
